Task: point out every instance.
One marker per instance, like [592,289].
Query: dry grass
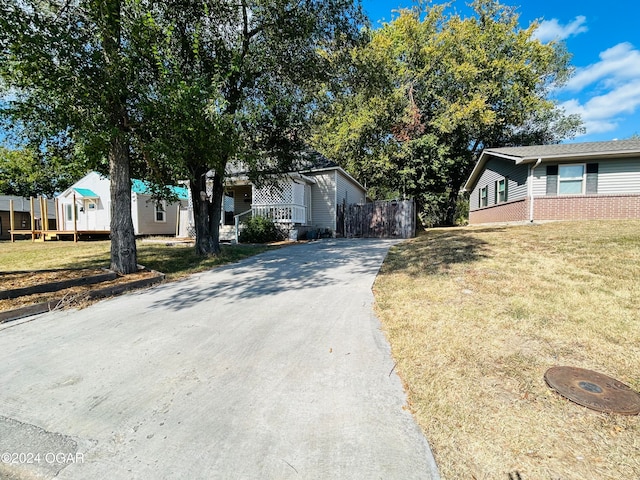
[25,263]
[174,260]
[475,316]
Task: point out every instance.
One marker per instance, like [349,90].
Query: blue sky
[604,41]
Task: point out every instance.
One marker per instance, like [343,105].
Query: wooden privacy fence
[392,219]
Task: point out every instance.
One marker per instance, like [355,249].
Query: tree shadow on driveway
[312,265]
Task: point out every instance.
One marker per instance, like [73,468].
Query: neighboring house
[578,181]
[304,200]
[92,199]
[22,214]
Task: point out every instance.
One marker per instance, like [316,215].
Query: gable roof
[565,151]
[307,162]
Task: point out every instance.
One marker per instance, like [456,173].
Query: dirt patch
[77,297]
[12,280]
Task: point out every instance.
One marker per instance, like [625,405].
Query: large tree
[431,90]
[69,78]
[235,81]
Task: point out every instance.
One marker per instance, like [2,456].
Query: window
[229,206]
[92,206]
[69,212]
[161,209]
[570,179]
[501,190]
[484,197]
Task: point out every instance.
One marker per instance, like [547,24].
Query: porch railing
[281,212]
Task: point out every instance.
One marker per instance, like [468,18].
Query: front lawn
[475,317]
[175,261]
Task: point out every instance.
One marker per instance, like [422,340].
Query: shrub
[260,230]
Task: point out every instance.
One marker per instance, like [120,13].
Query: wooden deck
[42,235]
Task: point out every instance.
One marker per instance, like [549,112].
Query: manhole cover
[593,390]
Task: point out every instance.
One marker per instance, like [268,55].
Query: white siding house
[91,197]
[301,201]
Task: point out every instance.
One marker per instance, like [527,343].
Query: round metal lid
[593,390]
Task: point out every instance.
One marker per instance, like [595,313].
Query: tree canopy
[235,82]
[73,79]
[430,90]
[26,173]
[170,90]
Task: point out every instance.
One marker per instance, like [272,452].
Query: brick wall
[516,211]
[587,207]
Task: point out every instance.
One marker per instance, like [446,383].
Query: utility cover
[593,390]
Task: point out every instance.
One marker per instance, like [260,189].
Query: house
[21,210]
[92,213]
[578,181]
[305,200]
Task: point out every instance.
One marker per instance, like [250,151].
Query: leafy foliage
[260,230]
[429,92]
[234,83]
[169,90]
[25,173]
[71,80]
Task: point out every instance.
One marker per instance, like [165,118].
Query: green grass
[475,317]
[174,261]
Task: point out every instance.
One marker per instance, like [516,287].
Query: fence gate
[392,219]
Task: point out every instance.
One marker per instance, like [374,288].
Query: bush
[260,230]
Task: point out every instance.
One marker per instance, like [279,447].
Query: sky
[604,41]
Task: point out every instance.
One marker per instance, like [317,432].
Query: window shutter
[552,179]
[592,179]
[495,192]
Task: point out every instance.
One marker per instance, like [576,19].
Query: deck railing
[281,212]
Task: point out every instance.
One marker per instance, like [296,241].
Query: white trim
[569,179]
[484,189]
[163,209]
[530,187]
[502,181]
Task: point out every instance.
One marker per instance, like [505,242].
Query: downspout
[531,189]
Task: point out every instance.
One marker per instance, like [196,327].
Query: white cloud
[604,113]
[606,93]
[617,64]
[552,29]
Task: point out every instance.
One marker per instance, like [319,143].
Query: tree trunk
[206,213]
[124,256]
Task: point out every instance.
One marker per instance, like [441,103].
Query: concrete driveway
[272,368]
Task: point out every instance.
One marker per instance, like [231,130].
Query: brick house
[578,181]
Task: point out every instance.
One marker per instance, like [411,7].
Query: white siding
[614,176]
[540,180]
[348,191]
[323,198]
[101,215]
[619,176]
[143,211]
